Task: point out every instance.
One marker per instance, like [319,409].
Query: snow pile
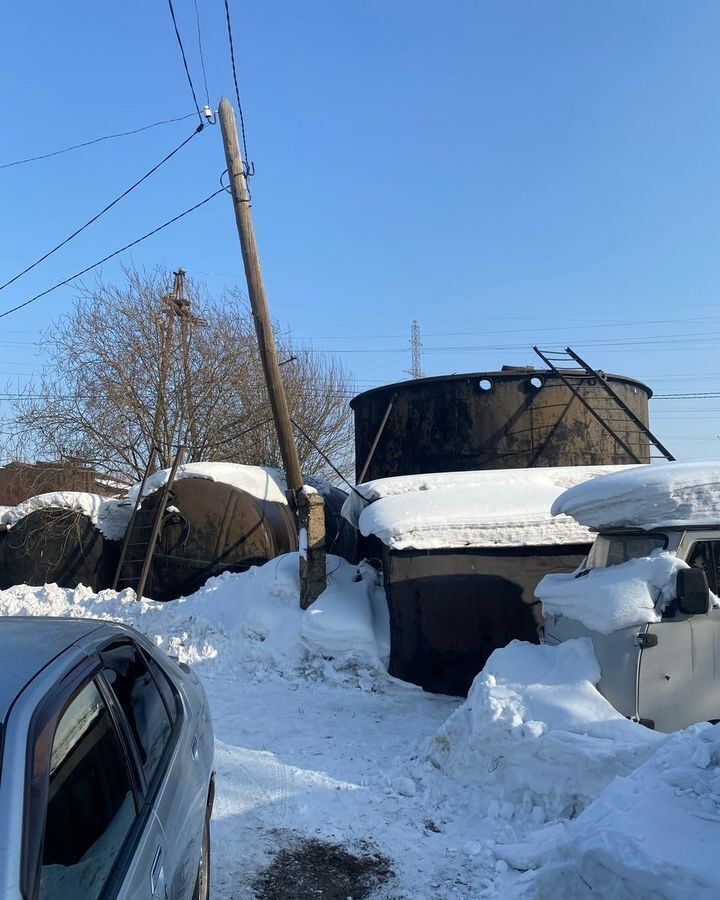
[654,833]
[238,619]
[111,517]
[606,600]
[536,736]
[494,508]
[647,497]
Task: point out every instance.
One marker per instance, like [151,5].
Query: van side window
[133,685]
[704,555]
[90,807]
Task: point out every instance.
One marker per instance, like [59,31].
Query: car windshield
[613,549]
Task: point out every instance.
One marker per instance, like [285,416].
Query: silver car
[106,774]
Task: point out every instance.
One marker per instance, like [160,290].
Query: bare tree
[126,374]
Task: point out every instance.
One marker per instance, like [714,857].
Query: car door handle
[194,748]
[156,871]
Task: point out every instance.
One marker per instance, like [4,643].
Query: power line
[184,59]
[237,91]
[106,137]
[111,255]
[202,58]
[103,211]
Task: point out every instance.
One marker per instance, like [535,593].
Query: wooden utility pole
[308,504]
[258,300]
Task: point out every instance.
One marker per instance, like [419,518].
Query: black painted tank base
[449,609]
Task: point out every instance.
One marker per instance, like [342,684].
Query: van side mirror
[693,593]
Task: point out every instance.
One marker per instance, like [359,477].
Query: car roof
[29,643]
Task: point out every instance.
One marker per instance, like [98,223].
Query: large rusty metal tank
[515,418]
[212,527]
[60,546]
[209,527]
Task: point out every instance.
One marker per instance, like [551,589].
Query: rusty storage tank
[212,527]
[60,546]
[516,418]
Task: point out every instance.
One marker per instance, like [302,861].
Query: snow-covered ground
[533,787]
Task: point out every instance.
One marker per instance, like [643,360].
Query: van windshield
[613,549]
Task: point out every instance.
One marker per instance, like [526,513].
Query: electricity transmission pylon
[415,370]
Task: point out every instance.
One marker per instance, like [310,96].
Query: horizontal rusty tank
[60,546]
[212,527]
[515,418]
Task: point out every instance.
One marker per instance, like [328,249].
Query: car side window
[702,556]
[138,695]
[90,807]
[166,689]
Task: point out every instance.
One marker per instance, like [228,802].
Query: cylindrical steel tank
[60,546]
[515,418]
[212,527]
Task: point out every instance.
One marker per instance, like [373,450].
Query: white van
[662,668]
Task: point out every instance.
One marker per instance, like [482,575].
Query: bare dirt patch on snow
[314,868]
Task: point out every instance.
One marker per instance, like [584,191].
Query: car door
[160,734]
[87,835]
[679,673]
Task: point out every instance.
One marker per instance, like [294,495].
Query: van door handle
[156,871]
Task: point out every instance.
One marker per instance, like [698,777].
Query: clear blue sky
[506,173]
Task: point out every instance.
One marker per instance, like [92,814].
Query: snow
[652,834]
[536,735]
[652,496]
[261,482]
[533,787]
[494,508]
[608,599]
[110,516]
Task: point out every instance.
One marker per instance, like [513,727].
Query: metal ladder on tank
[574,373]
[123,575]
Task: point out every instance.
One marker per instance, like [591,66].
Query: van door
[679,680]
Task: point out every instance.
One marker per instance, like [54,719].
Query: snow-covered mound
[247,618]
[111,517]
[647,497]
[606,600]
[536,735]
[653,834]
[496,508]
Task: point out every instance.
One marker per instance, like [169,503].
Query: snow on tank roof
[261,482]
[109,516]
[651,496]
[491,508]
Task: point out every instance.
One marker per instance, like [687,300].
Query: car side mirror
[693,593]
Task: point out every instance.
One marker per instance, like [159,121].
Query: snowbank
[110,516]
[606,600]
[240,618]
[647,497]
[535,734]
[497,508]
[654,833]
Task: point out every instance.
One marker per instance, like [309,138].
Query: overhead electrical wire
[248,170]
[111,255]
[106,137]
[184,59]
[104,210]
[202,57]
